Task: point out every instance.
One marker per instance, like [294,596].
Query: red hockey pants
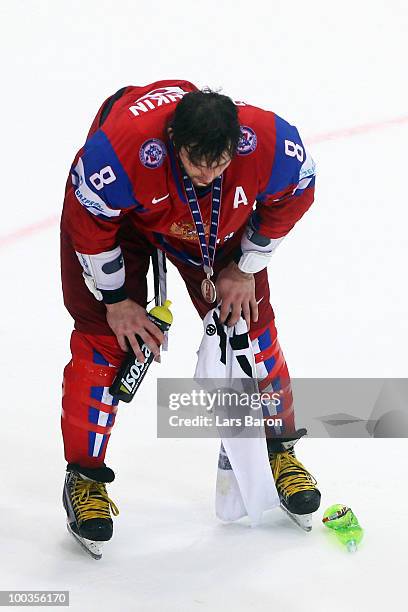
[88,409]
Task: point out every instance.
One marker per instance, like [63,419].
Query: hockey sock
[88,409]
[273,377]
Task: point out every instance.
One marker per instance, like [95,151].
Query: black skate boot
[295,485]
[88,506]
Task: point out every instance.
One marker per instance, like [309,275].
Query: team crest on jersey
[187,230]
[247,142]
[152,153]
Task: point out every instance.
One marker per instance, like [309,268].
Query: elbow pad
[257,250]
[104,274]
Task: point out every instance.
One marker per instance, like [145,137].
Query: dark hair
[206,124]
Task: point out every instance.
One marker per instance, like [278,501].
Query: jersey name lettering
[156,98]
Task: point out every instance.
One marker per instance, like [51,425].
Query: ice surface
[337,282]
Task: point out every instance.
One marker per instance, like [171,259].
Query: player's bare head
[206,126]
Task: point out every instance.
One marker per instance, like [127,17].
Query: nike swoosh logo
[157,200]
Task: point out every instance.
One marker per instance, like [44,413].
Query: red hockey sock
[273,377]
[88,409]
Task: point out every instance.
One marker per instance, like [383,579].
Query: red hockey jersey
[128,166]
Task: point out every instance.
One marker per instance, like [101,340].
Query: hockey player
[216,185]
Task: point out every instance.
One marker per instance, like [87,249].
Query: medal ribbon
[207,251]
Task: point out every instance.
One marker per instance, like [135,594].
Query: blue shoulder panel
[102,185]
[289,157]
[112,184]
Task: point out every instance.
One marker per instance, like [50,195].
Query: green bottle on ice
[345,525]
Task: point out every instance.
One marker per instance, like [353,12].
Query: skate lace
[90,500]
[290,475]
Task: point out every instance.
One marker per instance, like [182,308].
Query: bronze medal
[208,290]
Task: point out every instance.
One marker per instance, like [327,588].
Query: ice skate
[88,507]
[296,487]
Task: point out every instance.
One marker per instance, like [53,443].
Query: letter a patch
[240,197]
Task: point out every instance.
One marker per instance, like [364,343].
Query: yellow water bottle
[132,371]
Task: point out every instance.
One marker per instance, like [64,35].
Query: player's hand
[236,290]
[126,319]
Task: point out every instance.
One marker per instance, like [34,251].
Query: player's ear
[170,132]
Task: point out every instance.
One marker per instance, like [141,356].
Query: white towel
[245,485]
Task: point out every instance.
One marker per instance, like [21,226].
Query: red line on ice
[28,230]
[358,129]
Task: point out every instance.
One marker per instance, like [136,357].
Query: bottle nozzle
[163,312]
[352,546]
